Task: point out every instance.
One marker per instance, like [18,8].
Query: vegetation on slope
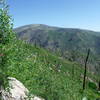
[71,43]
[46,75]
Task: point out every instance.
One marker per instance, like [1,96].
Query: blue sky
[83,14]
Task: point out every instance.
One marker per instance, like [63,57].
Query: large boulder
[17,91]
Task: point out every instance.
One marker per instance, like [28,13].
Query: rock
[17,91]
[37,98]
[84,98]
[99,92]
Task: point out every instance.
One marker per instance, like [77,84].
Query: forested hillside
[69,43]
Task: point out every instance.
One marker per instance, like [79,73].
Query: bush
[92,85]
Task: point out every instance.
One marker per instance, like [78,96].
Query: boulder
[17,91]
[84,98]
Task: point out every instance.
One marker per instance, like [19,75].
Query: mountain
[70,43]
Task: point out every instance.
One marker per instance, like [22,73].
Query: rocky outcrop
[17,91]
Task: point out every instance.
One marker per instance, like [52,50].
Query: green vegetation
[6,37]
[46,75]
[71,44]
[43,73]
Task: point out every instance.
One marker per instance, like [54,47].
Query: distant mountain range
[70,43]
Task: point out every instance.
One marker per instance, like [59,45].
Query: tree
[6,36]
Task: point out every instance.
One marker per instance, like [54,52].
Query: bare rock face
[17,91]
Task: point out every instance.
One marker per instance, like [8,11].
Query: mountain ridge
[56,27]
[71,43]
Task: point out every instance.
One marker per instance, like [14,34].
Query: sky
[84,14]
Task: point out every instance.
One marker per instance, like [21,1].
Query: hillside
[72,44]
[47,75]
[47,62]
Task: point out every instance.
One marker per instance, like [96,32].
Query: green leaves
[6,37]
[42,73]
[6,33]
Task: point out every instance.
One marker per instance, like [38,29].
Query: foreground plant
[6,36]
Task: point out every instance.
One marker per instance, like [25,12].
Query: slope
[72,44]
[47,75]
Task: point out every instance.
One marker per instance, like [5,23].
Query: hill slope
[63,38]
[71,43]
[47,75]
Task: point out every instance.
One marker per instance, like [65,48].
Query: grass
[45,74]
